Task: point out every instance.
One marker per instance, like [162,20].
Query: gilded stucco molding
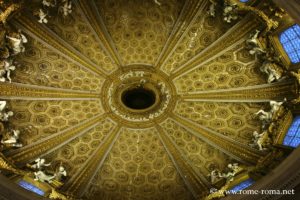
[33,92]
[95,21]
[78,184]
[190,11]
[229,40]
[258,93]
[193,181]
[49,38]
[231,147]
[49,144]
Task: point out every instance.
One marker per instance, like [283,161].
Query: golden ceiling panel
[40,65]
[138,167]
[75,154]
[199,154]
[75,30]
[135,104]
[235,68]
[38,119]
[139,30]
[203,32]
[235,120]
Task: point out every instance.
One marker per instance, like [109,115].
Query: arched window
[31,188]
[243,185]
[292,137]
[290,40]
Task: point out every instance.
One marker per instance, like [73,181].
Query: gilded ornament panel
[203,32]
[75,153]
[138,168]
[139,30]
[235,120]
[39,119]
[235,68]
[75,30]
[200,155]
[39,65]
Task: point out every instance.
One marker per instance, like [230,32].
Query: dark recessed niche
[138,98]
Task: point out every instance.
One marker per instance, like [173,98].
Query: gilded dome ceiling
[144,99]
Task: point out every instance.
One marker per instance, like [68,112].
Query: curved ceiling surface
[67,95]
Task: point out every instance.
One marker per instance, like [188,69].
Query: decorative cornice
[43,34]
[229,146]
[49,144]
[95,21]
[230,39]
[194,183]
[189,12]
[258,93]
[80,181]
[33,92]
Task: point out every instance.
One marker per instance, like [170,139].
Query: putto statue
[230,12]
[252,44]
[16,41]
[11,139]
[264,116]
[49,3]
[4,116]
[262,141]
[66,7]
[42,16]
[234,169]
[43,177]
[39,163]
[215,175]
[273,71]
[61,173]
[212,8]
[6,67]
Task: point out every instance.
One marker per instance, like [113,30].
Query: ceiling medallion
[138,96]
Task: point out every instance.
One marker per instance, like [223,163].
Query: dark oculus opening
[138,98]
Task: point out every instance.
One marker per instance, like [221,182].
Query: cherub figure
[11,139]
[261,140]
[39,163]
[42,16]
[214,175]
[212,8]
[49,3]
[16,42]
[264,116]
[5,116]
[66,8]
[5,70]
[42,177]
[61,172]
[273,71]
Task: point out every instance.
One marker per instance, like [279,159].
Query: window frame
[278,47]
